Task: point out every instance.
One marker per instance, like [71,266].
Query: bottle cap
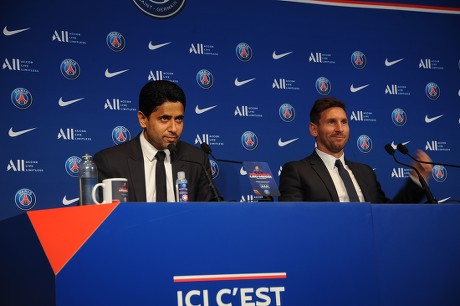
[181,175]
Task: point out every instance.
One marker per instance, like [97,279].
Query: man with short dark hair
[161,115]
[327,176]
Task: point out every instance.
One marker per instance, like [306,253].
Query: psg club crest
[399,117]
[249,140]
[70,69]
[432,91]
[286,112]
[204,78]
[439,173]
[323,86]
[364,143]
[72,165]
[243,52]
[120,134]
[115,41]
[214,169]
[25,199]
[358,60]
[160,8]
[21,98]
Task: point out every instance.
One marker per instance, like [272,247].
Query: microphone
[207,149]
[390,150]
[404,150]
[172,148]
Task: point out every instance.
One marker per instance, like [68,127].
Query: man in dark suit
[161,115]
[318,177]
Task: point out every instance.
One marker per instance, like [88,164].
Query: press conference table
[233,254]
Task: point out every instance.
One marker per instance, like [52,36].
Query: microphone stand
[172,149]
[404,150]
[207,149]
[390,150]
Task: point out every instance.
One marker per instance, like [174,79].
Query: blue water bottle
[87,176]
[181,187]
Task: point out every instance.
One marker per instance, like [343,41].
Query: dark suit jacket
[309,180]
[126,160]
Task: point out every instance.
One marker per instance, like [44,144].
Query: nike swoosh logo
[396,146]
[443,200]
[285,143]
[154,47]
[240,83]
[278,56]
[11,133]
[6,32]
[65,103]
[203,110]
[112,74]
[356,89]
[243,172]
[391,63]
[68,202]
[429,120]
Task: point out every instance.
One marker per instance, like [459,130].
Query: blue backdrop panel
[322,248]
[405,87]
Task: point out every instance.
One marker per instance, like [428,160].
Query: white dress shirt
[329,161]
[150,162]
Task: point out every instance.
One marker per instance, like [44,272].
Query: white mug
[114,190]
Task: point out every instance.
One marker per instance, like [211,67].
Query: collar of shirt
[329,160]
[149,151]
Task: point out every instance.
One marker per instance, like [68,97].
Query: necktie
[160,177]
[351,191]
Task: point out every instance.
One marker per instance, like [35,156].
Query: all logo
[205,79]
[202,49]
[19,166]
[16,64]
[249,140]
[120,134]
[21,98]
[115,41]
[62,36]
[70,69]
[364,143]
[22,165]
[320,58]
[25,199]
[399,117]
[243,52]
[400,172]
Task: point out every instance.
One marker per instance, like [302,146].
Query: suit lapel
[136,169]
[319,167]
[359,178]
